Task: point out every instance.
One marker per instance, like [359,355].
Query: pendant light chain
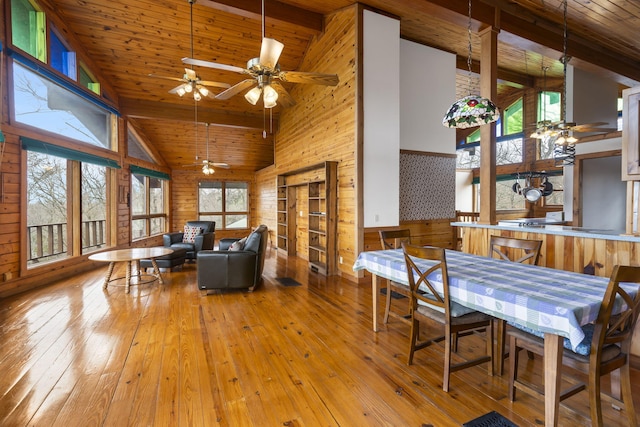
[263,20]
[195,123]
[469,50]
[565,61]
[191,2]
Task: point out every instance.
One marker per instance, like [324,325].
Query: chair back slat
[392,239]
[618,328]
[427,293]
[508,248]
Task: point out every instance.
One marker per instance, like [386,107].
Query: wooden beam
[167,111]
[273,10]
[488,89]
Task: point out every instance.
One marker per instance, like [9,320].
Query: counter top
[562,230]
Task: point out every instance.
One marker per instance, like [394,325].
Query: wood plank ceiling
[128,40]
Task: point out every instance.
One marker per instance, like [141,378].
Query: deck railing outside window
[48,242]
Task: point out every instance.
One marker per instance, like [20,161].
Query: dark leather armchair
[201,242]
[229,269]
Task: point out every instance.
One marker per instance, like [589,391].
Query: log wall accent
[322,127]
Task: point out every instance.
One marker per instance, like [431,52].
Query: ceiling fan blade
[214,84]
[270,52]
[175,89]
[166,78]
[191,75]
[235,89]
[586,129]
[220,165]
[209,64]
[313,78]
[284,99]
[592,127]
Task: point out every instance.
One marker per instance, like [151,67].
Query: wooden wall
[437,232]
[184,197]
[322,127]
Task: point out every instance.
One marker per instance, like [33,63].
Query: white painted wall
[595,99]
[604,194]
[381,97]
[427,90]
[590,99]
[464,190]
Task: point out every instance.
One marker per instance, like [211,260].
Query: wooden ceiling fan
[265,75]
[207,165]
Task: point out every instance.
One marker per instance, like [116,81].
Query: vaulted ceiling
[128,40]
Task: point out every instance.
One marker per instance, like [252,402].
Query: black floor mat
[394,294]
[287,281]
[492,419]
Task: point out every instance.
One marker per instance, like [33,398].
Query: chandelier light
[472,110]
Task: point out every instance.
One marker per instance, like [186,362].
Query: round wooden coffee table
[131,255]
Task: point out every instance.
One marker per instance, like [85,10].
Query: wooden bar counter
[565,248]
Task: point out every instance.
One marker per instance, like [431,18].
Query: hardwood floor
[75,355]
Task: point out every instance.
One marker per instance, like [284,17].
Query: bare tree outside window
[226,203]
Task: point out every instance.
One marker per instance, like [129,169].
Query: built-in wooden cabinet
[320,183]
[286,235]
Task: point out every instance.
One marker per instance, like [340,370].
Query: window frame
[74,229]
[147,216]
[224,213]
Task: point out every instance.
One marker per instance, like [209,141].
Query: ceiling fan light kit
[265,75]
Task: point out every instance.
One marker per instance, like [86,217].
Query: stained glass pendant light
[471,110]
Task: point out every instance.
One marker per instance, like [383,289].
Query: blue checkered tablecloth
[543,299]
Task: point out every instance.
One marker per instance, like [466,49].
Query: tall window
[148,207]
[47,209]
[94,206]
[52,199]
[226,203]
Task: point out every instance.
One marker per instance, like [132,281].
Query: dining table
[554,302]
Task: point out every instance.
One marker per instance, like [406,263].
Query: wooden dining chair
[604,350]
[392,239]
[427,304]
[514,250]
